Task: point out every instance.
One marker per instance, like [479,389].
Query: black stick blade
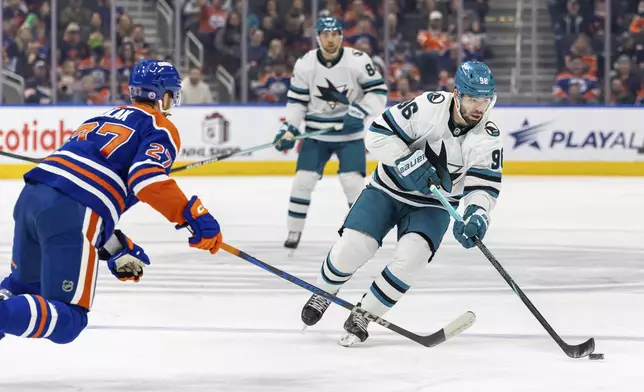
[581,350]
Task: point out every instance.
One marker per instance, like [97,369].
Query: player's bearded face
[473,108]
[330,41]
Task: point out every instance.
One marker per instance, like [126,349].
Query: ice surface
[216,323]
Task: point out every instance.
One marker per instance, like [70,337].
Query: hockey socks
[32,316]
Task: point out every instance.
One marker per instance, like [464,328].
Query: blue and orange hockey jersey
[116,159]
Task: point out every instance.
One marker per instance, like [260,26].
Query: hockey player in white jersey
[331,87]
[454,132]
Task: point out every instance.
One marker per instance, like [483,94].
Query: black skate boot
[293,239]
[4,294]
[356,327]
[314,309]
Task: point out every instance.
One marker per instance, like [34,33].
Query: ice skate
[314,309]
[356,330]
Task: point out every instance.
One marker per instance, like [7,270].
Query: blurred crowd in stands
[422,46]
[579,27]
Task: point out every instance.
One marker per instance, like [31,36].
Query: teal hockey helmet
[328,23]
[475,79]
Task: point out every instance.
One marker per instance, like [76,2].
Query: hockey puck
[596,357]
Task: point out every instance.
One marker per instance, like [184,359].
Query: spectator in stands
[67,82]
[395,36]
[76,13]
[273,85]
[620,94]
[362,30]
[445,82]
[403,91]
[637,24]
[624,72]
[15,9]
[581,49]
[228,44]
[141,47]
[257,51]
[18,53]
[401,66]
[251,17]
[211,16]
[38,87]
[473,43]
[356,12]
[275,51]
[124,28]
[575,95]
[90,95]
[271,32]
[271,10]
[294,21]
[629,47]
[588,86]
[335,9]
[569,25]
[573,22]
[303,43]
[194,90]
[41,31]
[97,27]
[71,48]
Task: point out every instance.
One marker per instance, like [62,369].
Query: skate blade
[349,340]
[291,252]
[304,327]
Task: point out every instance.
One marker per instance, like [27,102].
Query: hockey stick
[20,157]
[246,151]
[454,328]
[573,351]
[194,164]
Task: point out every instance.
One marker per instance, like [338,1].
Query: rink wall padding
[597,141]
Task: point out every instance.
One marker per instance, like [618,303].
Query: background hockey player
[71,202]
[331,87]
[451,128]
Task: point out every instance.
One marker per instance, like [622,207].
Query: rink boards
[537,140]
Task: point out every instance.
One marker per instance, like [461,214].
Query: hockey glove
[353,121]
[206,234]
[284,138]
[125,259]
[415,173]
[475,223]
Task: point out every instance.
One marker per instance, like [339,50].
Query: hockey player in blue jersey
[66,214]
[331,87]
[454,129]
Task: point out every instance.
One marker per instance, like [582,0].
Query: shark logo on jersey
[331,95]
[439,161]
[527,134]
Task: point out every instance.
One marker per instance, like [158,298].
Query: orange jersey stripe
[43,317]
[91,176]
[91,262]
[163,122]
[144,172]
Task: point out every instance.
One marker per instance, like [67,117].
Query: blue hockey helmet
[328,23]
[151,79]
[475,79]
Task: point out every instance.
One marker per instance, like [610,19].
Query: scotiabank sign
[35,136]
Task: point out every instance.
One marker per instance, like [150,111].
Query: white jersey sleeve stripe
[389,119]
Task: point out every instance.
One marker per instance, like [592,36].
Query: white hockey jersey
[474,156]
[321,92]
